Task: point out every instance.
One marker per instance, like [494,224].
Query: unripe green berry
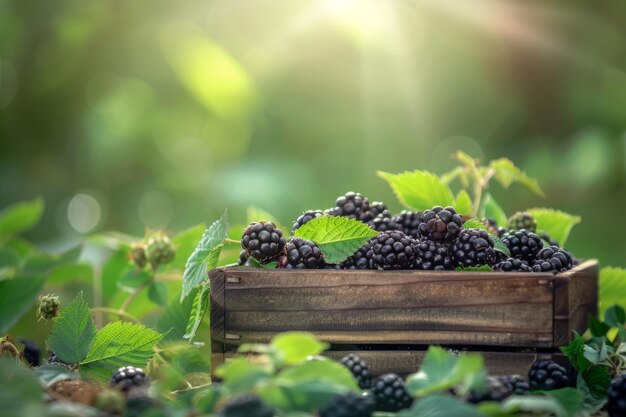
[137,254]
[159,249]
[48,307]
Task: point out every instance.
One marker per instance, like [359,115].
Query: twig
[116,312]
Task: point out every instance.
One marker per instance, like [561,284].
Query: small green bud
[48,307]
[137,254]
[159,249]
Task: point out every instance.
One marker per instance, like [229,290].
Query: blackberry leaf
[198,310]
[74,332]
[555,223]
[419,190]
[463,204]
[494,211]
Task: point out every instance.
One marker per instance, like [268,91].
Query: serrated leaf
[481,268]
[198,310]
[595,354]
[118,344]
[555,223]
[49,374]
[337,237]
[205,256]
[575,353]
[615,316]
[475,224]
[74,332]
[494,211]
[20,217]
[17,295]
[499,246]
[507,173]
[419,190]
[612,288]
[463,203]
[292,348]
[594,384]
[441,371]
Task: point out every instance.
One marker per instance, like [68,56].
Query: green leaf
[157,293]
[615,316]
[38,262]
[440,371]
[9,263]
[118,344]
[575,352]
[21,392]
[598,328]
[254,263]
[440,405]
[555,223]
[597,380]
[185,242]
[419,190]
[20,217]
[463,203]
[494,211]
[74,332]
[49,374]
[475,224]
[507,173]
[174,319]
[499,246]
[593,402]
[458,172]
[337,237]
[481,268]
[240,375]
[205,256]
[595,354]
[292,348]
[612,289]
[320,370]
[565,402]
[17,295]
[133,278]
[198,310]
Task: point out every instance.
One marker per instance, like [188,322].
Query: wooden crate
[484,310]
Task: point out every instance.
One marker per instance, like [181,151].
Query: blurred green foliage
[127,115]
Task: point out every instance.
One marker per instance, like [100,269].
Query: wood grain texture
[217,278]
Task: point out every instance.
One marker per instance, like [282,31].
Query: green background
[127,115]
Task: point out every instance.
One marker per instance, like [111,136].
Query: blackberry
[348,405]
[31,352]
[546,374]
[351,205]
[390,393]
[523,220]
[306,217]
[263,241]
[246,405]
[128,377]
[516,384]
[431,255]
[495,391]
[501,231]
[552,259]
[409,222]
[512,265]
[441,224]
[377,209]
[523,244]
[361,258]
[301,254]
[617,397]
[359,369]
[392,250]
[473,247]
[383,223]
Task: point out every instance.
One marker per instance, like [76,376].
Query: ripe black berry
[441,224]
[376,209]
[351,205]
[390,393]
[495,391]
[243,258]
[392,250]
[301,254]
[306,217]
[516,384]
[348,405]
[361,259]
[523,244]
[383,223]
[617,397]
[128,377]
[552,259]
[523,220]
[473,247]
[263,241]
[31,352]
[246,405]
[409,222]
[359,369]
[431,255]
[512,265]
[547,375]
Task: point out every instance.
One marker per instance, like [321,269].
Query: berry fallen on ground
[392,250]
[359,369]
[431,255]
[441,224]
[523,220]
[301,254]
[473,247]
[390,393]
[523,244]
[552,259]
[128,377]
[546,374]
[348,405]
[263,241]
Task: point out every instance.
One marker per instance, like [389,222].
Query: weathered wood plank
[217,279]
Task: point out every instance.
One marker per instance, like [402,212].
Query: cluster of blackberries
[435,239]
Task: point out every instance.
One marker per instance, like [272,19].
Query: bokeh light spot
[84,213]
